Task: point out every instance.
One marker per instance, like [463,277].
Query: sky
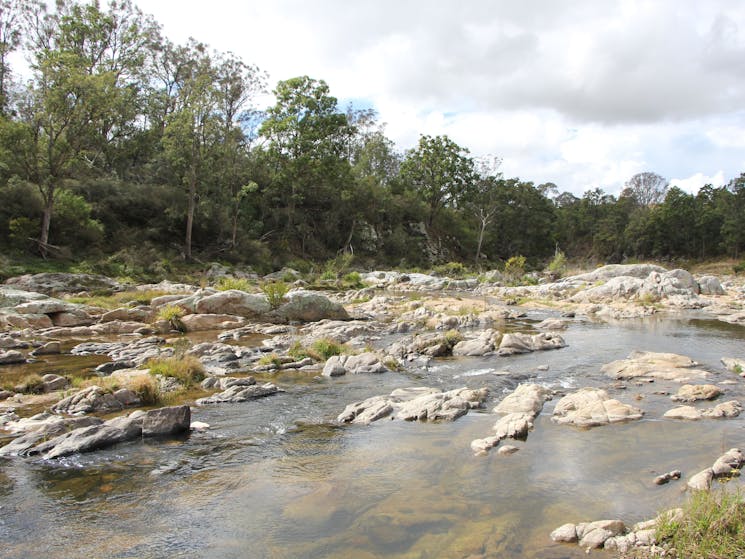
[581,93]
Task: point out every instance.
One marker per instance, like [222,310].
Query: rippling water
[276,478]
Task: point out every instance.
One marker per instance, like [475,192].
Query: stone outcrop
[233,302]
[416,404]
[307,306]
[94,399]
[237,393]
[695,392]
[362,363]
[660,366]
[485,343]
[54,283]
[525,343]
[520,408]
[592,407]
[49,443]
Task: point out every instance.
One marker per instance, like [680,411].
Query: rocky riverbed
[456,418]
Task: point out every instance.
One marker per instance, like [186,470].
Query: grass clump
[712,526]
[452,337]
[147,390]
[172,314]
[188,370]
[270,359]
[451,270]
[117,300]
[739,268]
[324,348]
[241,284]
[30,384]
[275,293]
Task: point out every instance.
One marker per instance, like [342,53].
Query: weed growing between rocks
[712,526]
[188,370]
[172,314]
[275,293]
[241,284]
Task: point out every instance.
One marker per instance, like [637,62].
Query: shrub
[353,280]
[30,384]
[298,351]
[739,268]
[558,264]
[226,283]
[172,314]
[324,348]
[188,370]
[452,337]
[451,270]
[275,293]
[713,525]
[514,268]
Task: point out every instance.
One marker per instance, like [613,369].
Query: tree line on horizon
[125,147]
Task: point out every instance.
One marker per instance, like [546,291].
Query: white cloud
[579,92]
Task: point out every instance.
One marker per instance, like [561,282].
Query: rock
[514,426]
[49,348]
[240,393]
[485,343]
[683,412]
[710,285]
[11,357]
[618,288]
[734,365]
[727,410]
[226,382]
[127,397]
[415,404]
[306,306]
[480,446]
[197,322]
[666,284]
[695,392]
[662,366]
[115,327]
[233,302]
[367,411]
[53,283]
[591,407]
[88,400]
[524,343]
[88,439]
[507,449]
[53,382]
[665,478]
[37,431]
[552,324]
[728,463]
[593,535]
[5,394]
[166,421]
[605,273]
[69,318]
[702,480]
[353,364]
[526,398]
[127,314]
[199,426]
[566,533]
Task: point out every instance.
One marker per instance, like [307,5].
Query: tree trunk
[46,220]
[234,231]
[482,229]
[190,211]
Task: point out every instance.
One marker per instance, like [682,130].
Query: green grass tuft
[188,370]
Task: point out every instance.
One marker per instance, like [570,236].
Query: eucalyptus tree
[307,148]
[13,13]
[440,171]
[646,188]
[80,101]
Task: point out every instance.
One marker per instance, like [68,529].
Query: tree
[308,147]
[646,189]
[80,100]
[440,171]
[483,198]
[12,15]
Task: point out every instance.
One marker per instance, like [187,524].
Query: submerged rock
[240,393]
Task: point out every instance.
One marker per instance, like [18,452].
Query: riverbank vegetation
[126,154]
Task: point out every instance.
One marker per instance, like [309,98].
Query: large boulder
[591,407]
[233,302]
[526,398]
[306,306]
[197,322]
[240,393]
[710,285]
[93,399]
[166,421]
[695,392]
[659,285]
[11,357]
[484,343]
[525,343]
[52,283]
[605,273]
[366,362]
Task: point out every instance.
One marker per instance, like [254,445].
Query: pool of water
[277,478]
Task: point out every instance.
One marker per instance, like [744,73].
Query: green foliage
[227,283]
[275,293]
[558,264]
[452,337]
[172,314]
[324,348]
[270,359]
[739,267]
[451,270]
[188,370]
[29,384]
[713,525]
[514,268]
[352,280]
[147,390]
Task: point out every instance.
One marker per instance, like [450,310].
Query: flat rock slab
[661,366]
[592,407]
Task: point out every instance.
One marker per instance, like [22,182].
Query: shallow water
[276,478]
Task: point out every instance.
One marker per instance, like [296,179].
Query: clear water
[276,478]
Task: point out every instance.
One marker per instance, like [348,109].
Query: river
[277,478]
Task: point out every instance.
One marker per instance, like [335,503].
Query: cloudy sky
[583,93]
